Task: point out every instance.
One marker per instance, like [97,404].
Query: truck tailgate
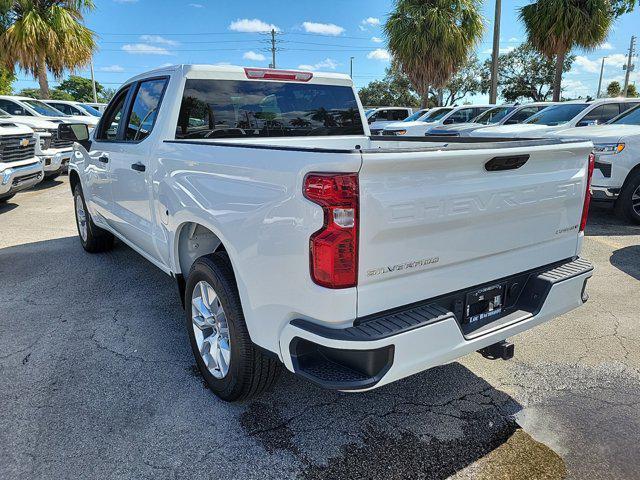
[434,222]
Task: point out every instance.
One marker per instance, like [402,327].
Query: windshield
[235,109]
[435,114]
[630,117]
[557,115]
[44,109]
[493,115]
[90,110]
[415,116]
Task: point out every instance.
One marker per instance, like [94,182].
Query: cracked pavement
[98,380]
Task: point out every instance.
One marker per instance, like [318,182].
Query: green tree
[7,77]
[555,27]
[524,74]
[55,94]
[107,95]
[466,81]
[394,90]
[79,88]
[614,89]
[431,39]
[632,91]
[45,35]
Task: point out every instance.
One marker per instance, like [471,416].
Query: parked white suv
[499,115]
[378,118]
[54,152]
[578,113]
[617,166]
[461,114]
[75,109]
[295,237]
[20,169]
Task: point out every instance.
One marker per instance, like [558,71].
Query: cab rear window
[237,109]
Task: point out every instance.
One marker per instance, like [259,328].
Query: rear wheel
[233,367]
[93,238]
[628,203]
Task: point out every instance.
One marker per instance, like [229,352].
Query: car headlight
[608,148]
[395,132]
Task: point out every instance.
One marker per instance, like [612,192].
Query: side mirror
[587,123]
[76,132]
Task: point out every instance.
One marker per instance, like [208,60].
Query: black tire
[97,239]
[624,203]
[250,371]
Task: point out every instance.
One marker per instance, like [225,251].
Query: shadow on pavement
[96,366]
[627,259]
[603,222]
[47,183]
[7,206]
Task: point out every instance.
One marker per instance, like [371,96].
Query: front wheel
[93,238]
[232,366]
[628,203]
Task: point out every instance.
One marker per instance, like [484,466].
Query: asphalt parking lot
[98,380]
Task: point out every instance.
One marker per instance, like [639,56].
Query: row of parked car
[30,150]
[612,124]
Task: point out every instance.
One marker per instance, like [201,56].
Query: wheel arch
[74,179]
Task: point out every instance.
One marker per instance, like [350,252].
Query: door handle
[103,158]
[138,167]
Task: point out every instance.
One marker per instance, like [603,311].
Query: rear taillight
[587,196]
[333,250]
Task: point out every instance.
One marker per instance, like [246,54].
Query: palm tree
[431,39]
[43,35]
[555,27]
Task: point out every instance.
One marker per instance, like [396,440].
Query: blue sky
[138,35]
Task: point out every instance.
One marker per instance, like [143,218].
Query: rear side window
[145,109]
[398,115]
[462,116]
[522,114]
[602,114]
[237,109]
[13,108]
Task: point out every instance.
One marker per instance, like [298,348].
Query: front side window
[14,108]
[493,115]
[145,109]
[522,114]
[435,114]
[63,107]
[415,116]
[601,114]
[44,109]
[630,117]
[463,115]
[110,122]
[242,108]
[398,115]
[90,110]
[557,114]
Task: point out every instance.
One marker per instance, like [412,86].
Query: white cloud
[145,49]
[503,50]
[379,54]
[253,56]
[373,21]
[252,26]
[196,5]
[575,88]
[167,64]
[111,68]
[514,39]
[323,28]
[158,39]
[616,60]
[327,63]
[376,40]
[586,65]
[605,46]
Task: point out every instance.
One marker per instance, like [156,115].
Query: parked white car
[378,118]
[54,152]
[98,106]
[20,169]
[461,114]
[75,109]
[429,116]
[500,115]
[295,237]
[30,107]
[578,113]
[617,167]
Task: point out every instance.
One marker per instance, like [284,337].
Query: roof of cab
[234,72]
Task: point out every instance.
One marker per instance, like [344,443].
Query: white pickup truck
[20,169]
[297,238]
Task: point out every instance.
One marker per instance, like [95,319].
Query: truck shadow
[627,259]
[603,221]
[107,360]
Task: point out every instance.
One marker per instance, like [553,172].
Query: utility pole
[93,83]
[351,66]
[629,67]
[493,93]
[273,48]
[600,81]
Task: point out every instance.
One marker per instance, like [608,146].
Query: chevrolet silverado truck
[297,238]
[19,167]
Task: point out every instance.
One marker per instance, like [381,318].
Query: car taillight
[282,75]
[333,250]
[587,196]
